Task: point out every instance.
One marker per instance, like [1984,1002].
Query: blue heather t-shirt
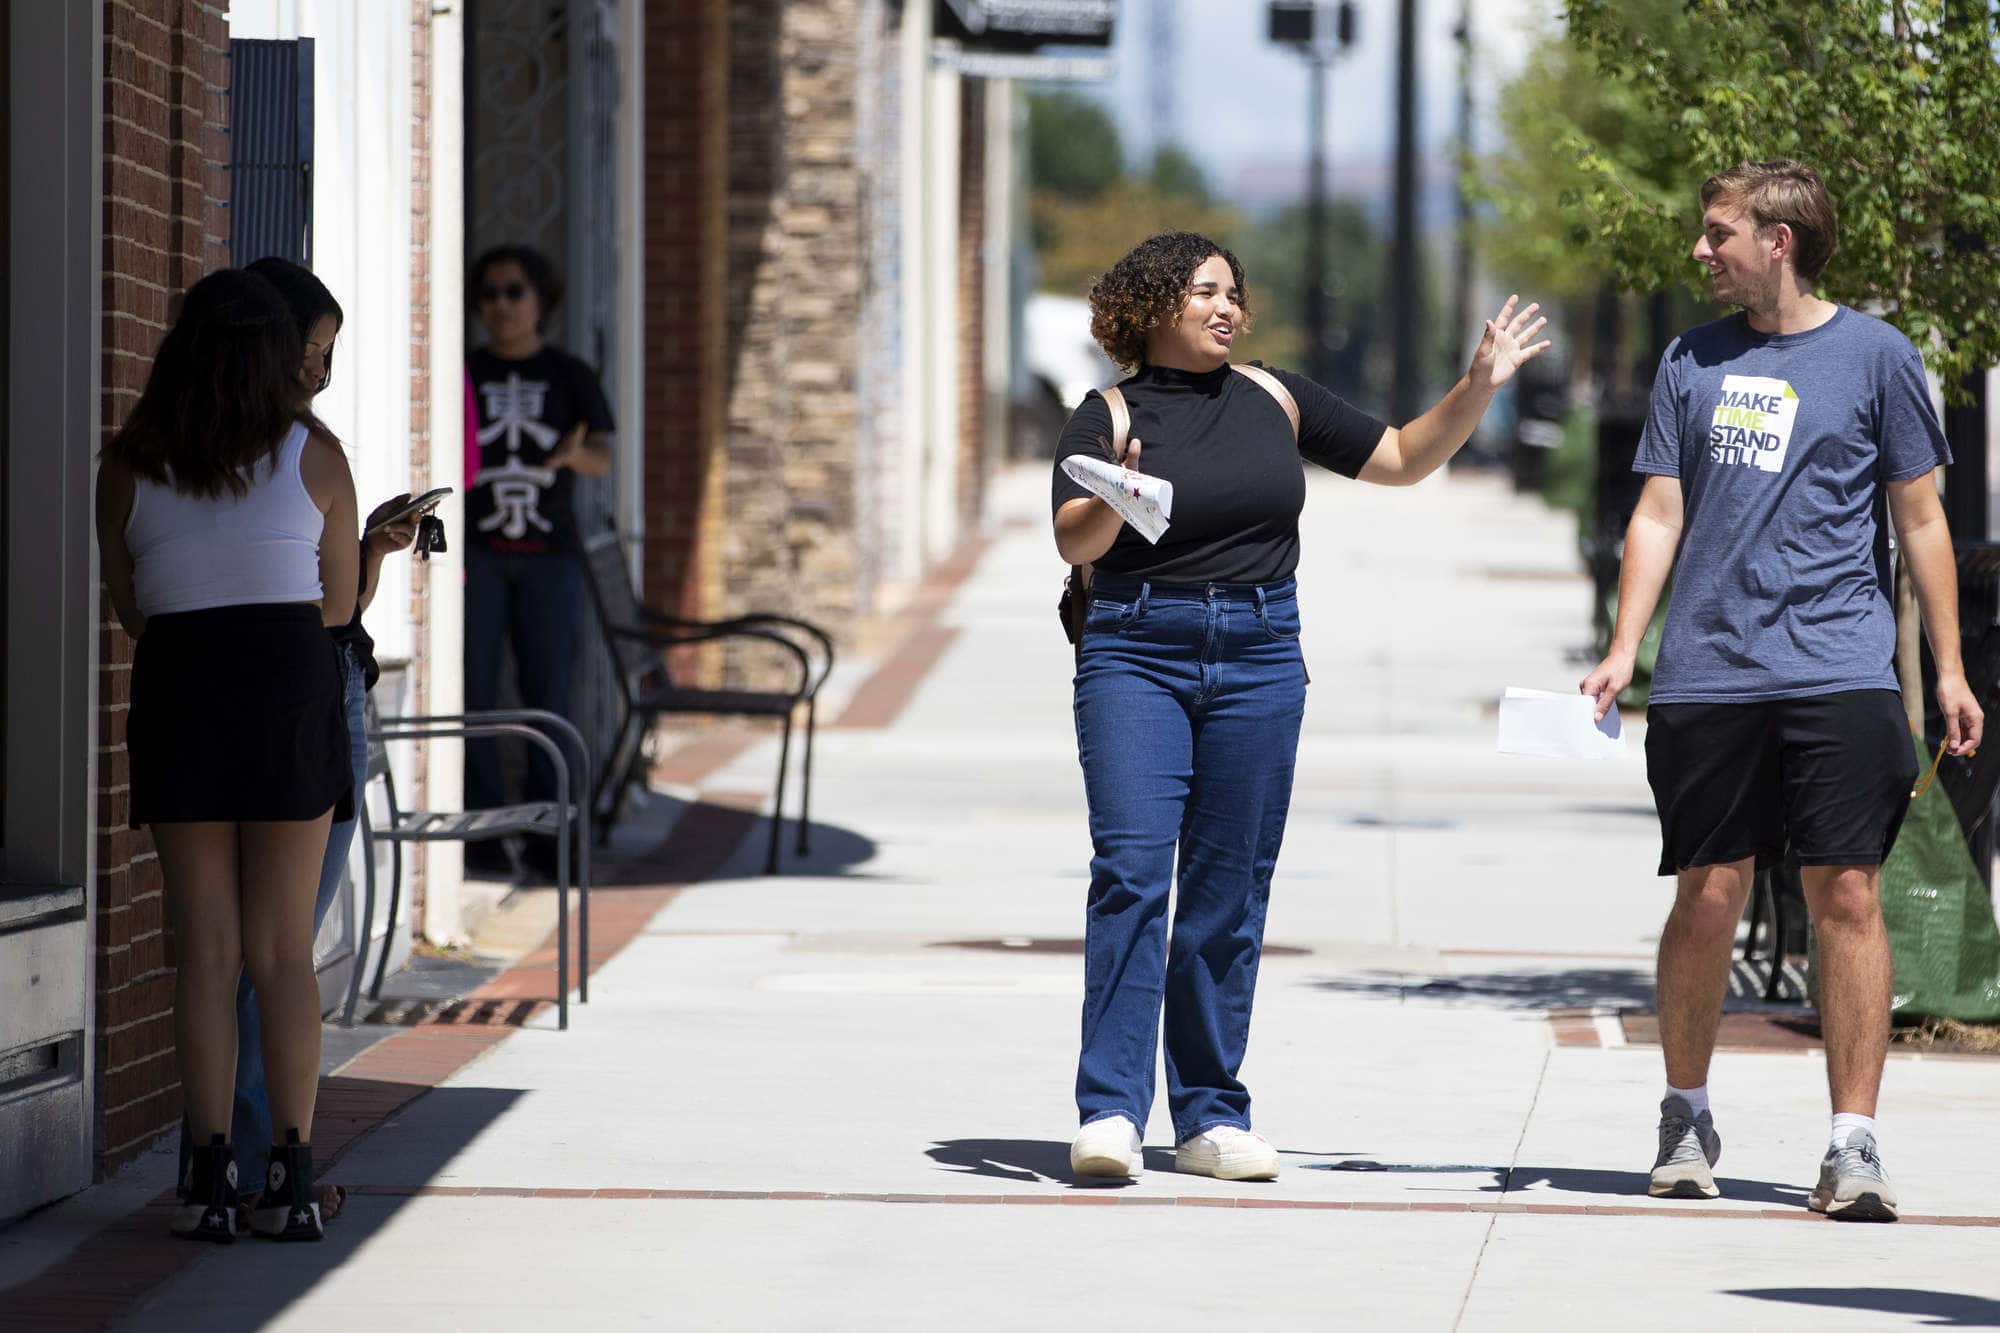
[1781,443]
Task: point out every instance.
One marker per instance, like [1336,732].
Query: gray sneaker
[1689,1146]
[1852,1185]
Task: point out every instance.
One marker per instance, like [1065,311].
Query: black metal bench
[638,636]
[555,818]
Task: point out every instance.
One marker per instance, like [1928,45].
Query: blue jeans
[250,1122]
[532,603]
[1188,703]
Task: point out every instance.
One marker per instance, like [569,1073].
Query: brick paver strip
[881,698]
[1085,1197]
[107,1275]
[878,703]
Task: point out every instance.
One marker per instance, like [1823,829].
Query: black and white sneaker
[207,1207]
[288,1209]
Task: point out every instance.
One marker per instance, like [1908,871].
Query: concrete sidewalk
[841,1098]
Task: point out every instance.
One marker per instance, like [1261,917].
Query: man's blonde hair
[1782,191]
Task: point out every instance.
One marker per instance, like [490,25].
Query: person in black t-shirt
[1190,686]
[543,421]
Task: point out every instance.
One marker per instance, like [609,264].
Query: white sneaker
[1228,1153]
[1107,1147]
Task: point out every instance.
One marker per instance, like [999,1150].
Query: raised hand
[1508,345]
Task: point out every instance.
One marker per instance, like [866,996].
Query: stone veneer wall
[793,310]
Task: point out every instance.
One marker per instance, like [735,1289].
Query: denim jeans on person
[533,604]
[1188,703]
[250,1121]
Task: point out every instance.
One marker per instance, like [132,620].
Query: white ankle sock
[1845,1123]
[1696,1098]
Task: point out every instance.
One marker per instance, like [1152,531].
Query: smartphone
[423,504]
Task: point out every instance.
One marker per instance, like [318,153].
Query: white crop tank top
[191,553]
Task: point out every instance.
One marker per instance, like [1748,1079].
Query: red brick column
[972,442]
[166,118]
[685,321]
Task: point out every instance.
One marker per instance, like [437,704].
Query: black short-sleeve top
[517,505]
[1238,476]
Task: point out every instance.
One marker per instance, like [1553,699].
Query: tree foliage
[1073,148]
[1081,238]
[1273,251]
[1532,233]
[1895,102]
[1082,220]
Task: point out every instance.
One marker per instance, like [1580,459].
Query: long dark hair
[308,298]
[223,391]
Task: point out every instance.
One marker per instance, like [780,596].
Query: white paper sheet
[1549,724]
[1142,501]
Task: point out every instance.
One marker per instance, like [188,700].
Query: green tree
[1532,234]
[1175,173]
[1073,147]
[1273,252]
[1078,239]
[1895,102]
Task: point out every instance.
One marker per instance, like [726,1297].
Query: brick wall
[166,118]
[420,389]
[971,301]
[686,147]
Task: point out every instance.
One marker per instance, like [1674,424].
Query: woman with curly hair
[1189,683]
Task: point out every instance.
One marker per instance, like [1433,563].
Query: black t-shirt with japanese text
[517,505]
[1239,482]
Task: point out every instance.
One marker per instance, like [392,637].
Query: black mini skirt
[237,715]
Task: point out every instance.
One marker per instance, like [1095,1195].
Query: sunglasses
[513,291]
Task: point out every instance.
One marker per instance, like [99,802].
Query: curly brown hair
[1149,287]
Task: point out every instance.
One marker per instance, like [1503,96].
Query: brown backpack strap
[1121,420]
[1268,382]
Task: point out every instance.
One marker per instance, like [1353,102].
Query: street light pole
[1404,299]
[1317,369]
[1461,294]
[1302,24]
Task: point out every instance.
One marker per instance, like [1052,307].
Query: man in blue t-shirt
[1776,439]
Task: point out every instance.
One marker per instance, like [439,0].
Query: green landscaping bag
[1940,918]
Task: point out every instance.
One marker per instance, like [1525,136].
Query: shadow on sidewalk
[1579,1180]
[1565,1179]
[134,1274]
[1572,988]
[1945,1309]
[1026,1161]
[668,840]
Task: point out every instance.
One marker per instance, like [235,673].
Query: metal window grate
[270,150]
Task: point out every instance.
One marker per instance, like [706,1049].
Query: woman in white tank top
[226,522]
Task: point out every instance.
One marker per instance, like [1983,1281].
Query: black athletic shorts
[1820,781]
